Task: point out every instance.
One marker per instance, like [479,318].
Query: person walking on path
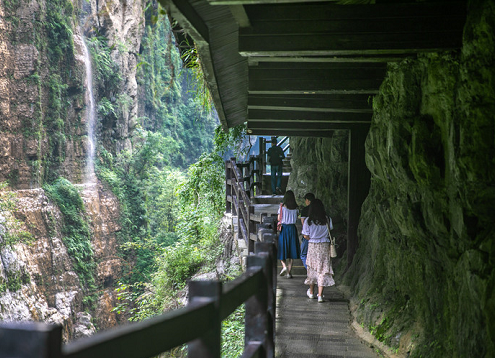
[275,156]
[319,263]
[288,242]
[308,198]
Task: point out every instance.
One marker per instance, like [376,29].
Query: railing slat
[30,340]
[207,345]
[147,338]
[253,350]
[239,290]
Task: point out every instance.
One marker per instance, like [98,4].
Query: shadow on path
[306,328]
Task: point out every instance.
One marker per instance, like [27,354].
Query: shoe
[310,295]
[320,299]
[278,191]
[289,275]
[284,270]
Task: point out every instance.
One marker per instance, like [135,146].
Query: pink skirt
[319,263]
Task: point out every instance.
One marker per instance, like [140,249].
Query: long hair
[317,214]
[290,200]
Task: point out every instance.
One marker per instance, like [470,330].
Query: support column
[359,179]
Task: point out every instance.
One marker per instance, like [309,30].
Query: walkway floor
[308,329]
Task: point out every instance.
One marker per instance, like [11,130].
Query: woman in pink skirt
[319,263]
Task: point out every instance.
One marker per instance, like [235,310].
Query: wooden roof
[308,68]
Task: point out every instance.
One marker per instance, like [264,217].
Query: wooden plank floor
[308,329]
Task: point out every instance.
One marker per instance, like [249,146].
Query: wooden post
[228,187]
[269,250]
[270,220]
[208,346]
[359,179]
[30,340]
[251,225]
[262,143]
[252,179]
[258,327]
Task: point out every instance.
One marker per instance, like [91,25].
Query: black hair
[317,214]
[309,196]
[290,200]
[274,140]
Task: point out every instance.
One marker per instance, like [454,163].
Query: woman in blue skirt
[288,241]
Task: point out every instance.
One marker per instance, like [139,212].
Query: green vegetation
[170,224]
[54,37]
[11,230]
[77,236]
[173,106]
[170,185]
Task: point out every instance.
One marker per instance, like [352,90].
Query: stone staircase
[269,204]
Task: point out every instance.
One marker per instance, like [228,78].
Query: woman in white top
[288,241]
[319,265]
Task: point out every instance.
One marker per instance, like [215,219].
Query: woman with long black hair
[319,264]
[288,242]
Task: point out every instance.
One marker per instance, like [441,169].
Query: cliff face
[44,135]
[423,276]
[38,278]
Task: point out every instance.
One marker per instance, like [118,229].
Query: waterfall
[90,116]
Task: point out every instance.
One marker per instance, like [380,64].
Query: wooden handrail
[209,304]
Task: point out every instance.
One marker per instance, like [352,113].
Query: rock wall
[423,277]
[122,23]
[43,135]
[48,287]
[42,107]
[319,166]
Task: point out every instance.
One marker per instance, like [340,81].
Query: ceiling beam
[250,2]
[304,116]
[301,125]
[255,60]
[342,102]
[320,132]
[315,78]
[334,30]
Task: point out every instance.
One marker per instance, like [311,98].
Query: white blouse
[288,216]
[317,233]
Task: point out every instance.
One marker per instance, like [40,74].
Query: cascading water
[90,116]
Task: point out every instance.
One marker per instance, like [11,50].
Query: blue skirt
[288,243]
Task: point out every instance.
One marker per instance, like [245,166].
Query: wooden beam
[253,61]
[301,126]
[333,30]
[291,77]
[250,2]
[291,133]
[317,71]
[240,15]
[322,133]
[312,86]
[358,102]
[305,116]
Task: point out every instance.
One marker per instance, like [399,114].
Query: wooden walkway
[304,327]
[308,329]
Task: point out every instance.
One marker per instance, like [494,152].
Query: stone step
[267,186]
[267,199]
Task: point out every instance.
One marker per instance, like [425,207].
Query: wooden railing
[198,324]
[239,181]
[238,200]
